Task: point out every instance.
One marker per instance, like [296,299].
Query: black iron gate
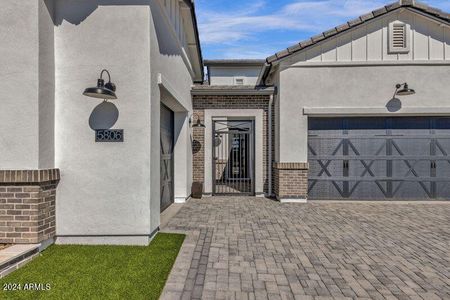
[167,145]
[379,158]
[233,158]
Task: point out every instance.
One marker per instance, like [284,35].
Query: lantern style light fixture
[403,90]
[198,124]
[102,90]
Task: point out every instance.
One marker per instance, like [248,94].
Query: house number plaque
[109,136]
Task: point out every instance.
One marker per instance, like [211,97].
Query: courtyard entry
[233,157]
[401,158]
[167,166]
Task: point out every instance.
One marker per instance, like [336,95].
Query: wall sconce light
[198,124]
[102,90]
[405,91]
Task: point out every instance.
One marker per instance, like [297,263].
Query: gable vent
[398,37]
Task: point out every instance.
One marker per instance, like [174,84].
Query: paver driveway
[257,248]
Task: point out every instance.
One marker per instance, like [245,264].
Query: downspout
[269,171]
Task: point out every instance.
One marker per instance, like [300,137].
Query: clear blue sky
[260,28]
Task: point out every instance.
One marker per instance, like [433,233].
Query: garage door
[379,158]
[167,143]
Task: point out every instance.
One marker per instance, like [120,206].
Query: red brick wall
[290,180]
[27,205]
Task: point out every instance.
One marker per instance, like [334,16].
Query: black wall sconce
[405,91]
[102,90]
[198,124]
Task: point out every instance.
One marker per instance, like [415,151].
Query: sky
[260,28]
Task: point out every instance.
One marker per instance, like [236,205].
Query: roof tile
[379,12]
[433,11]
[366,17]
[283,53]
[318,38]
[294,48]
[392,6]
[306,43]
[330,32]
[271,58]
[342,27]
[355,22]
[407,2]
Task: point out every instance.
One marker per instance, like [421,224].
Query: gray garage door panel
[379,158]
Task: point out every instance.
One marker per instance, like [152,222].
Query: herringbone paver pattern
[256,248]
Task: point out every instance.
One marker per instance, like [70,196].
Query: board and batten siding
[429,41]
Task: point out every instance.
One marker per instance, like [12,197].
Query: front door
[167,145]
[233,158]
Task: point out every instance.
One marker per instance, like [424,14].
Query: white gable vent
[398,37]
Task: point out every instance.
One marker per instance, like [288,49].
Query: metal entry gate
[403,158]
[233,158]
[167,145]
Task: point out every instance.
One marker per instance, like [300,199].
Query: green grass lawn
[98,272]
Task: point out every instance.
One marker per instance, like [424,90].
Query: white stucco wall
[112,189]
[344,88]
[19,85]
[46,85]
[109,192]
[105,187]
[354,74]
[226,75]
[26,85]
[170,63]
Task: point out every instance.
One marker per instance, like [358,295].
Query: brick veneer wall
[290,180]
[242,102]
[27,205]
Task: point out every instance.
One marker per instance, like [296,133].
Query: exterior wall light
[102,90]
[405,91]
[198,124]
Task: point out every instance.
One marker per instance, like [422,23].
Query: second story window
[239,81]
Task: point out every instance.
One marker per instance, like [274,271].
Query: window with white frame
[239,81]
[399,35]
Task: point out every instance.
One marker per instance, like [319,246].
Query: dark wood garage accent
[401,158]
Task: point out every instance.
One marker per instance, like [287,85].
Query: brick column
[27,205]
[290,181]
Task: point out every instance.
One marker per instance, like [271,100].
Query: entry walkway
[256,248]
